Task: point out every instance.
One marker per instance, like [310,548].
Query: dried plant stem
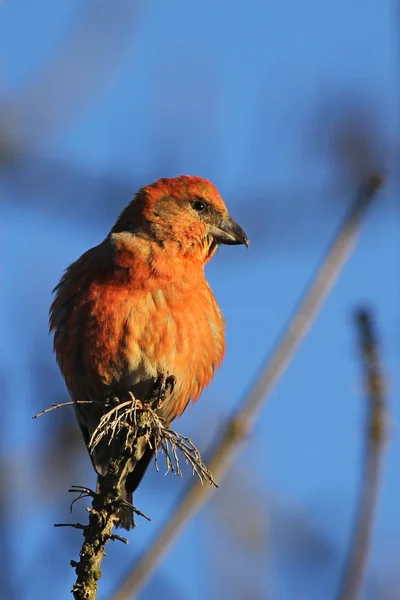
[242,422]
[139,420]
[376,434]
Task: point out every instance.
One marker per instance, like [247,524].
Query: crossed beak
[229,232]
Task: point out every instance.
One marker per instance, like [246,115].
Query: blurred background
[284,106]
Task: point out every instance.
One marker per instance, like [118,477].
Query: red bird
[138,307]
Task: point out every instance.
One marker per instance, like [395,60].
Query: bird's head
[186,213]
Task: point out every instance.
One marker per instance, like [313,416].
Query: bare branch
[76,74]
[70,403]
[129,422]
[376,434]
[242,421]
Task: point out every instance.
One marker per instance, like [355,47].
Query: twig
[62,405]
[242,421]
[73,525]
[125,416]
[376,434]
[140,420]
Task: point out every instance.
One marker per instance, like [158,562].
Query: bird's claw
[112,401]
[163,386]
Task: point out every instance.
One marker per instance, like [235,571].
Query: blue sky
[235,94]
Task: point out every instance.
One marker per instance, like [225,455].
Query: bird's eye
[199,205]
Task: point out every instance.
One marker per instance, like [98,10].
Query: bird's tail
[135,470]
[125,513]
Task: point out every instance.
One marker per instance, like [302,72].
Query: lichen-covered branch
[128,422]
[98,531]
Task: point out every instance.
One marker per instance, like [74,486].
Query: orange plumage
[138,307]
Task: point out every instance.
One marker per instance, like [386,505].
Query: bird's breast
[122,318]
[175,330]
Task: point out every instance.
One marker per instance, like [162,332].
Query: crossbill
[137,309]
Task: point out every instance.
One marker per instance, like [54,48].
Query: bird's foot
[163,387]
[112,401]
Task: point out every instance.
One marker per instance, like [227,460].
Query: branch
[75,74]
[376,433]
[55,406]
[99,529]
[242,422]
[126,423]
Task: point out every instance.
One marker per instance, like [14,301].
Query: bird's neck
[167,258]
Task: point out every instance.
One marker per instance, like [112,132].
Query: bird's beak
[229,232]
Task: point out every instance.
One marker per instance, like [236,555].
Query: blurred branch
[84,64]
[33,182]
[243,420]
[376,430]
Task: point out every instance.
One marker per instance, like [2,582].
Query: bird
[136,311]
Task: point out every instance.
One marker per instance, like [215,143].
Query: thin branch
[376,435]
[125,424]
[242,421]
[55,406]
